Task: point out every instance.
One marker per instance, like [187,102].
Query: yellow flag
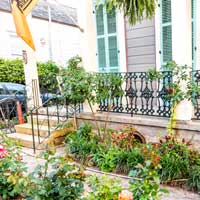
[26,5]
[21,25]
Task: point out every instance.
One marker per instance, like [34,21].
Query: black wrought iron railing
[56,108]
[9,111]
[141,95]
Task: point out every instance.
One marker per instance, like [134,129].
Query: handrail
[50,109]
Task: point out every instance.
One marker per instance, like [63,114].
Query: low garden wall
[152,128]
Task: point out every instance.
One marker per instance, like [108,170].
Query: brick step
[27,129]
[43,120]
[27,140]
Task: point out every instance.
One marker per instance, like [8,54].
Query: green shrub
[56,179]
[194,178]
[13,71]
[76,82]
[103,188]
[106,160]
[82,144]
[175,160]
[12,178]
[47,73]
[148,185]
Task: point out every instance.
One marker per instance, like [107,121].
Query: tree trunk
[95,120]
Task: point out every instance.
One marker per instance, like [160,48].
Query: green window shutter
[166,31]
[101,53]
[100,20]
[113,51]
[111,18]
[193,3]
[107,41]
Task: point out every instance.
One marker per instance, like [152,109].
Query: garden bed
[175,162]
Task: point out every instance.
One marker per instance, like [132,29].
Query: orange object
[21,25]
[19,113]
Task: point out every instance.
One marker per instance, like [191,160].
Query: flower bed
[175,162]
[56,178]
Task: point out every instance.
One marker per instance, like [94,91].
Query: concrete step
[27,129]
[27,140]
[43,120]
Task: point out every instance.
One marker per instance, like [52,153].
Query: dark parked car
[12,92]
[9,94]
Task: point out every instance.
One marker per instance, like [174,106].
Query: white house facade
[172,34]
[56,38]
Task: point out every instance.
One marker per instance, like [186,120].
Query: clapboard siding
[141,53]
[141,50]
[138,67]
[140,42]
[141,59]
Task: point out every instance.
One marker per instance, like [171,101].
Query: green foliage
[77,84]
[194,178]
[81,144]
[106,159]
[103,188]
[12,178]
[148,185]
[153,74]
[135,10]
[56,179]
[47,73]
[12,71]
[175,160]
[181,88]
[108,87]
[128,160]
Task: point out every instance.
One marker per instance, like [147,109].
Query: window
[166,31]
[107,41]
[15,45]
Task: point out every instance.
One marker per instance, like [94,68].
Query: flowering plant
[125,195]
[3,151]
[12,169]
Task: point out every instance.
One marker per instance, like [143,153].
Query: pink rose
[125,195]
[3,152]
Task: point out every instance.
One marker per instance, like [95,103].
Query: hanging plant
[134,10]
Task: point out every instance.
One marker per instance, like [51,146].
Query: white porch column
[31,75]
[88,35]
[182,32]
[182,46]
[198,34]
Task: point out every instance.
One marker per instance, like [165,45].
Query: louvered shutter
[112,41]
[107,44]
[113,52]
[100,20]
[193,2]
[101,53]
[166,31]
[111,21]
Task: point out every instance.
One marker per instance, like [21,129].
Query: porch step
[43,120]
[27,140]
[27,129]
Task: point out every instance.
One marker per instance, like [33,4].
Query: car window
[15,89]
[2,90]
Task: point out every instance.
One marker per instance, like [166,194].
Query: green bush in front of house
[13,71]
